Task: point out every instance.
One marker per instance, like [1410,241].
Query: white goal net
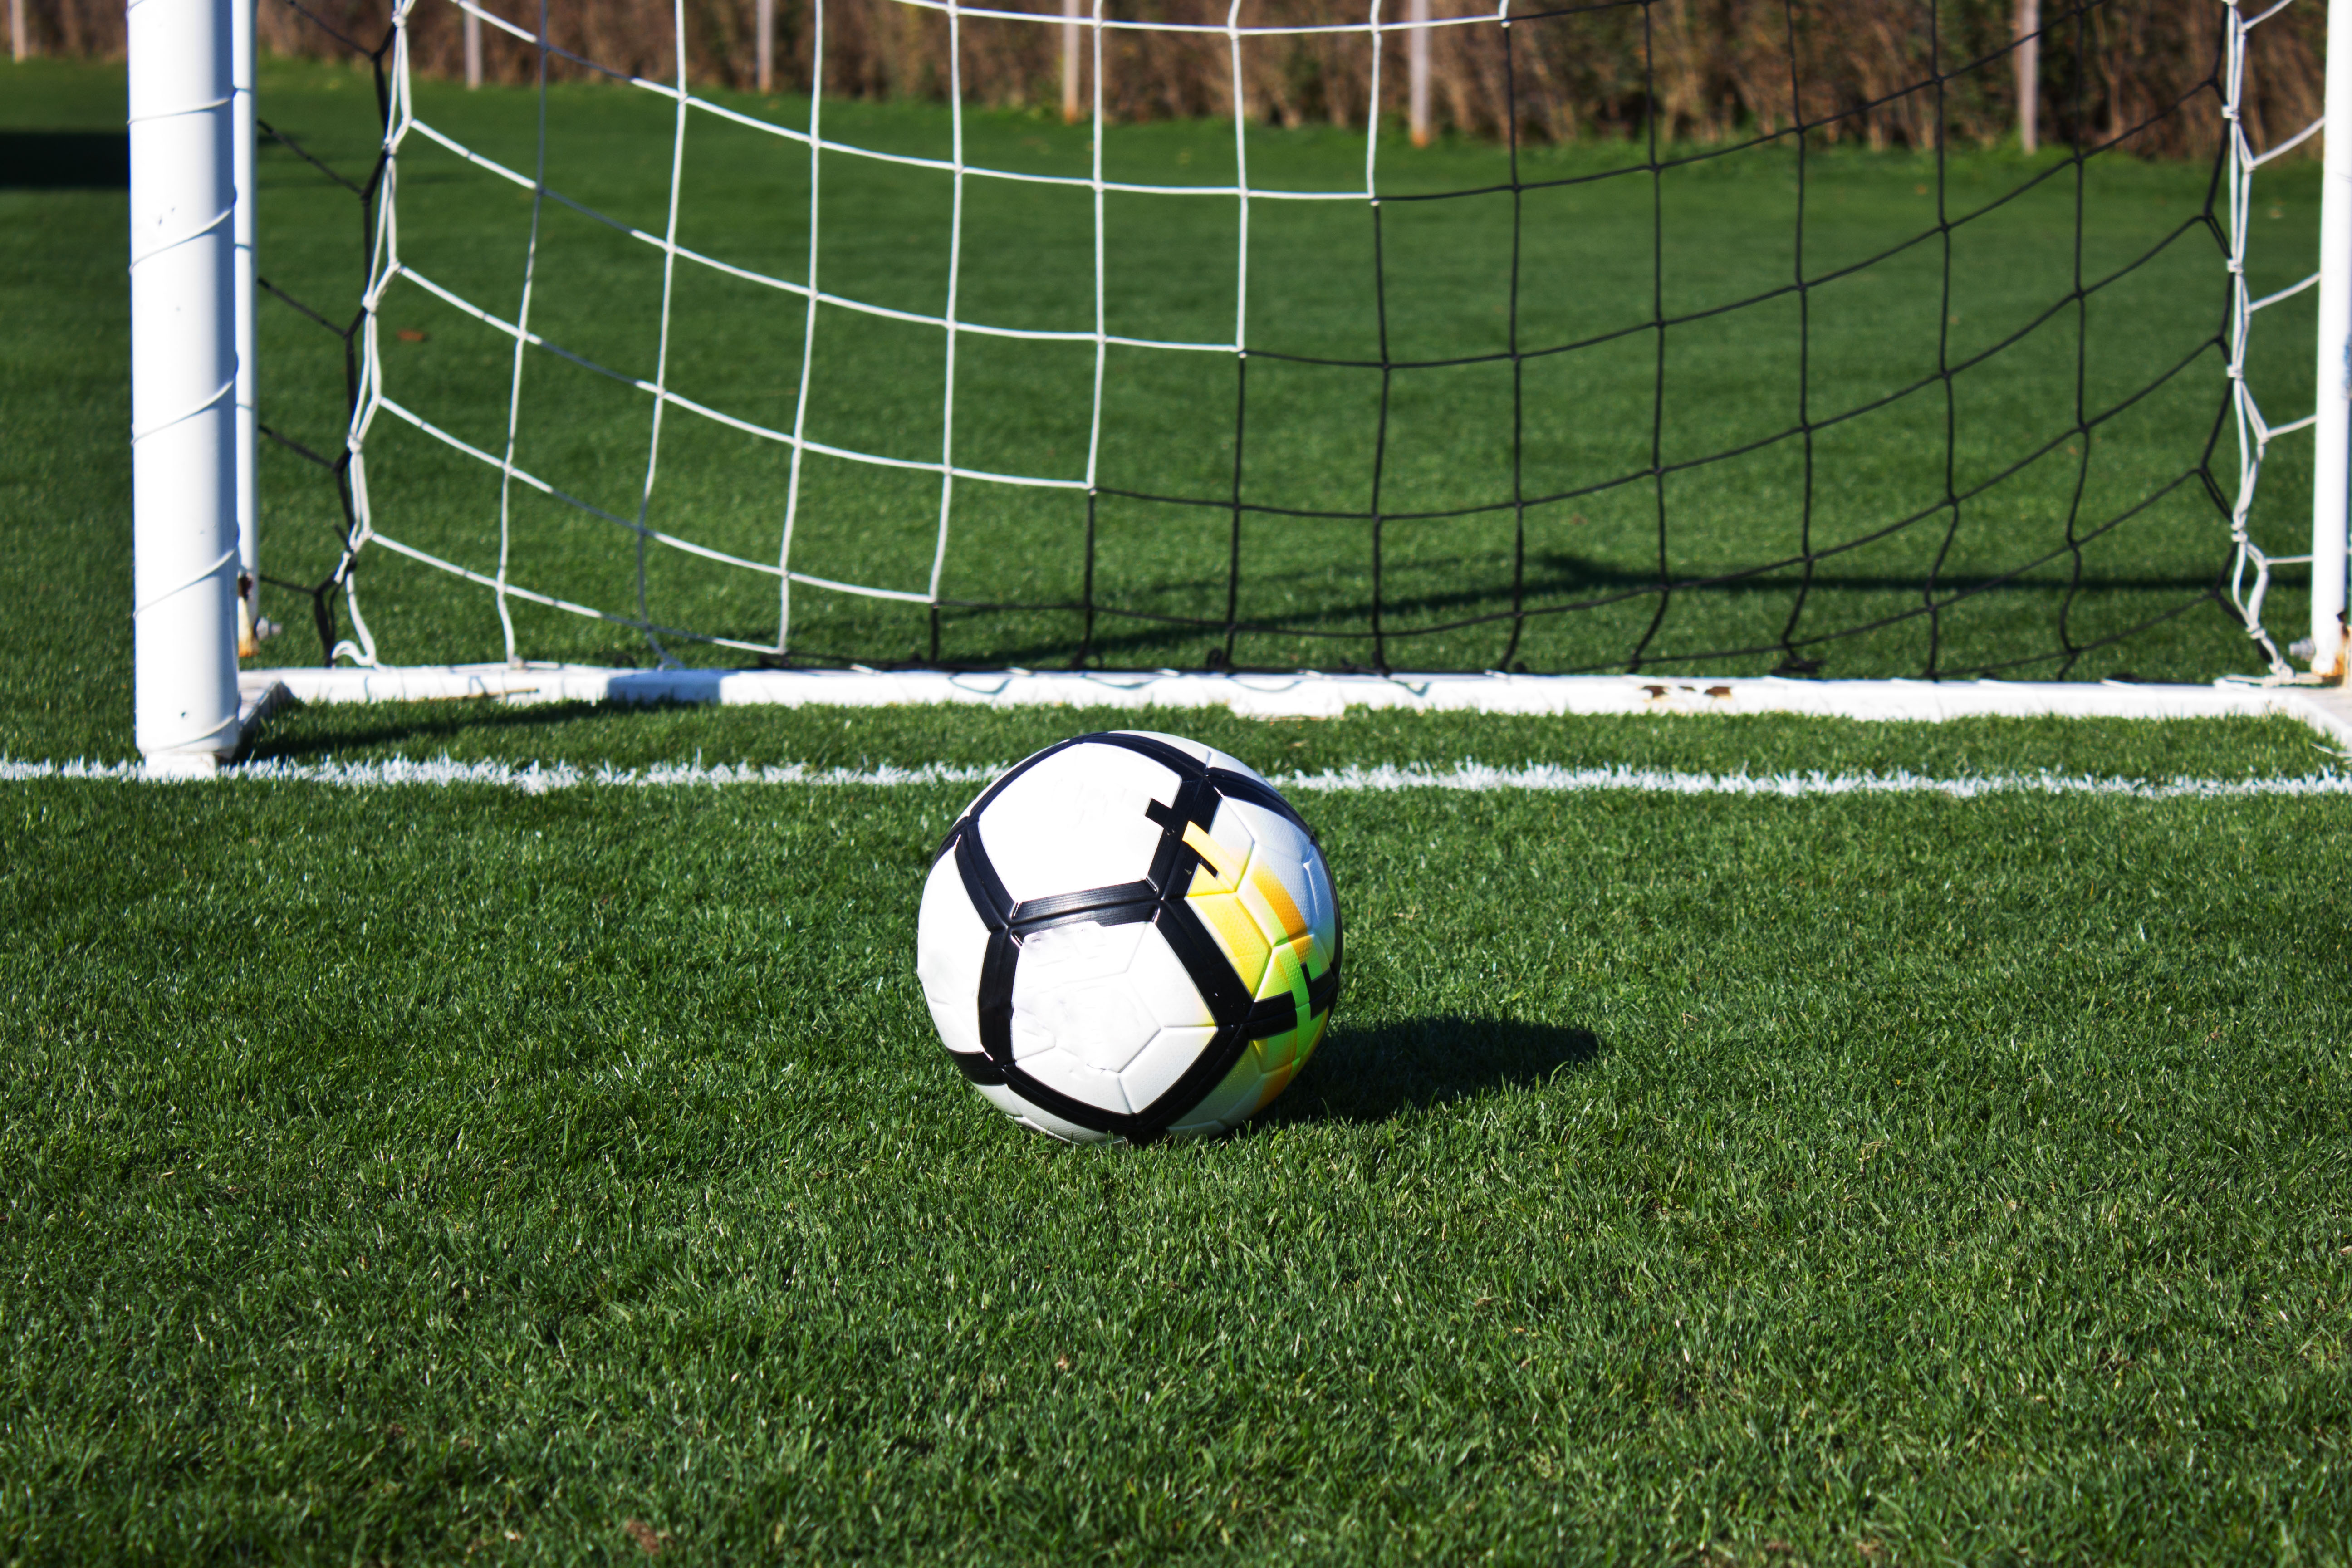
[648,368]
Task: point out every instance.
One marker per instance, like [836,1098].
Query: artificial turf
[464,1174]
[418,1175]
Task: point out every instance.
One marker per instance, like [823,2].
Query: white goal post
[197,545]
[187,452]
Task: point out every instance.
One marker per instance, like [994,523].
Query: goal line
[1536,778]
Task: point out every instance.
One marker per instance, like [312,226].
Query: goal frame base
[1308,694]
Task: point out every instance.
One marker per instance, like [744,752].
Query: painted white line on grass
[534,778]
[538,778]
[1546,776]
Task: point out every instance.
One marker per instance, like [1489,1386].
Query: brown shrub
[1865,70]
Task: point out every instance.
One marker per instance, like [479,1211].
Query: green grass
[460,1174]
[398,1175]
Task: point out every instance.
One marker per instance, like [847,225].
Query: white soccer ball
[1126,936]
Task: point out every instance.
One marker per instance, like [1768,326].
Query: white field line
[534,778]
[1549,777]
[538,778]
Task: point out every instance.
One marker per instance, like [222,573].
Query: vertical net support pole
[2026,63]
[182,383]
[2330,471]
[20,41]
[250,627]
[764,19]
[473,50]
[1071,107]
[1416,57]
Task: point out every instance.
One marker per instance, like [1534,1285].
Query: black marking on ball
[978,1069]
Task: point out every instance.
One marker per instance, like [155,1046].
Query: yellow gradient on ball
[1271,946]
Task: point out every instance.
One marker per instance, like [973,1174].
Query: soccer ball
[1128,936]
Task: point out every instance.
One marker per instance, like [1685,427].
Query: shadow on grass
[64,159]
[1555,579]
[1374,1073]
[331,732]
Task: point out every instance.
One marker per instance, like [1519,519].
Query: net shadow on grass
[1384,1070]
[445,721]
[1566,573]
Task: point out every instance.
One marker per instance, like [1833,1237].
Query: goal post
[197,516]
[186,196]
